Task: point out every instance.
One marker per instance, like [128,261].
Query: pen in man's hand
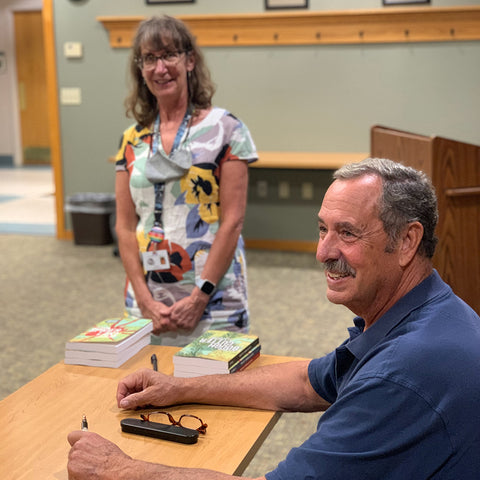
[84,423]
[153,359]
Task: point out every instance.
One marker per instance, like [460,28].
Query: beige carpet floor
[51,290]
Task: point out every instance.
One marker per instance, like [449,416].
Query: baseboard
[6,161]
[258,244]
[65,235]
[285,245]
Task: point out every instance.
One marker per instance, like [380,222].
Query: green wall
[295,98]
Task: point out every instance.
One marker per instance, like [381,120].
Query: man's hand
[92,456]
[146,387]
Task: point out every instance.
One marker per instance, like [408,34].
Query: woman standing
[181,192]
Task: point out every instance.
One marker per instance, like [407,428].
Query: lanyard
[156,234]
[178,136]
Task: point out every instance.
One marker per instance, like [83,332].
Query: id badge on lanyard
[159,259]
[156,260]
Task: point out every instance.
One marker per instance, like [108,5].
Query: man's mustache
[339,267]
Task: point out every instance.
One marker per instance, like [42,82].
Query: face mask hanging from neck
[160,168]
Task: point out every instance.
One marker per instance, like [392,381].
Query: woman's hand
[182,315]
[159,313]
[187,312]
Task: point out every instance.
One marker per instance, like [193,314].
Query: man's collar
[430,288]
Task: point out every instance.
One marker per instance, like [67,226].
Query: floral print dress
[190,215]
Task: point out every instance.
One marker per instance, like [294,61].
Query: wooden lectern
[454,168]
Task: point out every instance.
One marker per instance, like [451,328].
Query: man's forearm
[93,456]
[152,471]
[279,387]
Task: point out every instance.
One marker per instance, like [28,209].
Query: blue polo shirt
[405,396]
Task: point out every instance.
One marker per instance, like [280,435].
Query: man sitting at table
[401,394]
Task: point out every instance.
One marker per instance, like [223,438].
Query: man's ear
[411,238]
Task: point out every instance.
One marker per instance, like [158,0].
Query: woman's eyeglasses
[149,60]
[185,421]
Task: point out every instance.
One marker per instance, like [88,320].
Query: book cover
[216,351]
[105,359]
[210,367]
[113,334]
[245,360]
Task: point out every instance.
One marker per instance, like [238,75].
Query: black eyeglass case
[172,433]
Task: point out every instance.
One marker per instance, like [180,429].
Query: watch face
[207,287]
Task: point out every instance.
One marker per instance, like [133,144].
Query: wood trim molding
[53,116]
[463,192]
[302,160]
[307,160]
[282,245]
[386,25]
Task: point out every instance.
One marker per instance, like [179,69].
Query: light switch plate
[72,49]
[283,190]
[70,96]
[307,191]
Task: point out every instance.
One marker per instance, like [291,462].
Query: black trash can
[91,217]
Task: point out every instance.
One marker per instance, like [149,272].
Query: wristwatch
[205,286]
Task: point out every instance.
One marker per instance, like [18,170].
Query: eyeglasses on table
[186,420]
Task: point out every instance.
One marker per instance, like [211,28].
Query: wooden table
[36,419]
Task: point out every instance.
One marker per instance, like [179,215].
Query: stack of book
[110,343]
[216,351]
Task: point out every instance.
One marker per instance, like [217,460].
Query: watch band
[205,286]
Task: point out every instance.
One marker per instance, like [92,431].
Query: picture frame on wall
[160,2]
[284,4]
[405,2]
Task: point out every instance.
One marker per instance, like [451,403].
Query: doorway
[32,87]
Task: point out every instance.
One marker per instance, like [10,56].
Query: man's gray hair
[408,196]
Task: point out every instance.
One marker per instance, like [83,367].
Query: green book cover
[111,335]
[112,330]
[219,345]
